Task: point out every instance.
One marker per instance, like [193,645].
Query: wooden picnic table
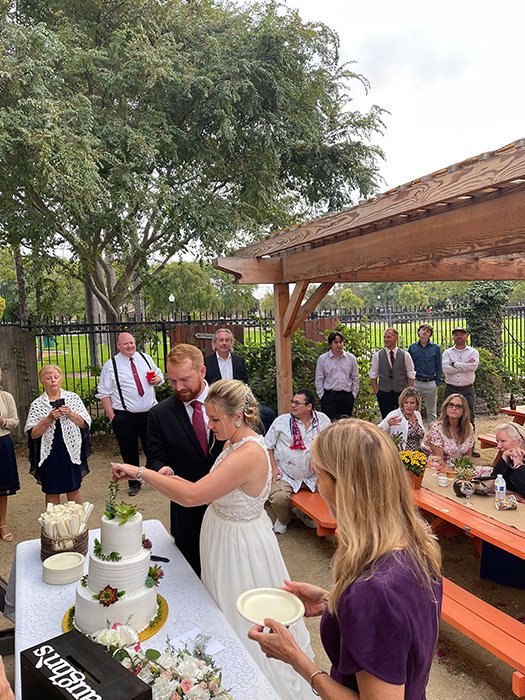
[493,629]
[518,414]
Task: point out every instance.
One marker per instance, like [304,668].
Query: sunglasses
[455,405]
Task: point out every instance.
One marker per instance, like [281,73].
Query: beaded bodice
[237,505]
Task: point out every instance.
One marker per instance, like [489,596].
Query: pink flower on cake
[186,684]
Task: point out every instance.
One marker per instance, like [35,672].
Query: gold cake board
[68,621]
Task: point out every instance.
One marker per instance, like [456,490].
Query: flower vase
[415,480]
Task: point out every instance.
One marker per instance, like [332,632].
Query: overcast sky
[450,74]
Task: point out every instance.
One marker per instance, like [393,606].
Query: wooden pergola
[464,222]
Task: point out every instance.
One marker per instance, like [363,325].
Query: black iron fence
[80,349]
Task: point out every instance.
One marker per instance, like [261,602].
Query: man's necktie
[136,377]
[392,358]
[199,427]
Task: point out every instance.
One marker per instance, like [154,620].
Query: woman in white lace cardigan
[58,430]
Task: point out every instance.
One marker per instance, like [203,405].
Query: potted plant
[464,469]
[415,463]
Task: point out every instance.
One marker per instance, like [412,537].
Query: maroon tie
[197,420]
[392,358]
[136,377]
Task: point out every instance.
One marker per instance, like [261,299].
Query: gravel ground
[461,670]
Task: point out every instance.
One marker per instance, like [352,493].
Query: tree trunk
[21,284]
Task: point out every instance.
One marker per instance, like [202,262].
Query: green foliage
[97,549]
[261,365]
[135,131]
[112,496]
[413,294]
[485,313]
[2,306]
[492,380]
[125,511]
[349,300]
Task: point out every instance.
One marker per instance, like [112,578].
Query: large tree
[131,130]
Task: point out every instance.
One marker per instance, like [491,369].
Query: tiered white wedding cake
[120,585]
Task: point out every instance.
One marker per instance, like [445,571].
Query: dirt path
[461,669]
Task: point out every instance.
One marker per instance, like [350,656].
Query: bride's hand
[313,597]
[123,471]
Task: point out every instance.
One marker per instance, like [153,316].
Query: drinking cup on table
[150,376]
[433,462]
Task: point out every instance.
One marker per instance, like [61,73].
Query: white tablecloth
[39,609]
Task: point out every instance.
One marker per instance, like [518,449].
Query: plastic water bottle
[501,489]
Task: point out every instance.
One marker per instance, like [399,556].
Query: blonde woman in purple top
[380,621]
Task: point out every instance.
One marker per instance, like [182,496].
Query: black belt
[336,391]
[453,386]
[425,379]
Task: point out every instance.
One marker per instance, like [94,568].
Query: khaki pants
[279,500]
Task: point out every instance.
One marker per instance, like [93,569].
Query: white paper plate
[64,567]
[258,603]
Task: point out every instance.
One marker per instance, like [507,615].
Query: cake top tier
[125,539]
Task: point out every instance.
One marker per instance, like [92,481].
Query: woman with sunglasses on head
[452,435]
[380,621]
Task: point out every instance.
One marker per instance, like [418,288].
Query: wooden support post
[283,349]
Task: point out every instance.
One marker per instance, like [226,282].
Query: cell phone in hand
[58,403]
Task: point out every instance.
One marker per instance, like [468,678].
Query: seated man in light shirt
[288,441]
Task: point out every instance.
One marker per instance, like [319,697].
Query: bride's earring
[237,423]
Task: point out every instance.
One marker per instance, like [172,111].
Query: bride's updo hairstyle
[233,396]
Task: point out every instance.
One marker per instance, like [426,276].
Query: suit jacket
[213,372]
[172,442]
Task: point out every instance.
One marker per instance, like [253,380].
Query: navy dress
[9,482]
[58,474]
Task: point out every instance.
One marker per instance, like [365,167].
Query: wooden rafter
[293,307]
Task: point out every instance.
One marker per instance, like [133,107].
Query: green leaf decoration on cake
[108,596]
[84,580]
[97,549]
[125,511]
[155,573]
[149,582]
[110,503]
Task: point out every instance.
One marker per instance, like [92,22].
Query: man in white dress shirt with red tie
[391,371]
[337,378]
[127,391]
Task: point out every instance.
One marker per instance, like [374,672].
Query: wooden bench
[489,627]
[487,441]
[315,507]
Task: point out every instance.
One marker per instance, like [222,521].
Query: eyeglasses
[455,405]
[297,403]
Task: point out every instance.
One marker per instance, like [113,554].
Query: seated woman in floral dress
[452,435]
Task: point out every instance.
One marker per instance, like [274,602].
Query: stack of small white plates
[65,567]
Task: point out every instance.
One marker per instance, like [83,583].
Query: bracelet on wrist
[139,475]
[314,676]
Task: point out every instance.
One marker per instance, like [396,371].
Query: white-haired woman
[9,482]
[238,547]
[380,621]
[497,564]
[57,427]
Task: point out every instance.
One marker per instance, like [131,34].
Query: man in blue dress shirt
[427,361]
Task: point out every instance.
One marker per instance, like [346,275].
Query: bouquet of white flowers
[176,673]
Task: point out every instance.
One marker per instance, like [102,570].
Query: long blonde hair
[376,514]
[464,425]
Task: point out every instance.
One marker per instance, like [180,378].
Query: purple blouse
[387,625]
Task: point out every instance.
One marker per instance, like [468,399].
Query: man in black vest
[180,443]
[394,369]
[126,389]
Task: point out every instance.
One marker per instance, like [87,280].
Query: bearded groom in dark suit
[180,443]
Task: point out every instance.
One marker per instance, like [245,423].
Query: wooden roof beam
[492,228]
[510,267]
[448,184]
[252,270]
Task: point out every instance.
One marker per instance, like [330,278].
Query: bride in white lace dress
[239,549]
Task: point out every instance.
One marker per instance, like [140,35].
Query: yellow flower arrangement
[414,461]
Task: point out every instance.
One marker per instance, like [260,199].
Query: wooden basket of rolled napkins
[64,528]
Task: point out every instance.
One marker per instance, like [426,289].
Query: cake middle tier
[128,574]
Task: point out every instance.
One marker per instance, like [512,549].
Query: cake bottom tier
[136,609]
